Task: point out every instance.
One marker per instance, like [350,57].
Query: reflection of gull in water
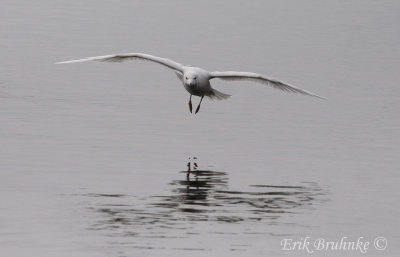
[207,192]
[204,195]
[196,80]
[199,199]
[195,190]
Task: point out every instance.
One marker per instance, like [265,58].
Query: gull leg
[198,107]
[188,171]
[190,103]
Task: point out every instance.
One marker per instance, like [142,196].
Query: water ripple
[200,196]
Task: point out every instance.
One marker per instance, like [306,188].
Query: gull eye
[186,78]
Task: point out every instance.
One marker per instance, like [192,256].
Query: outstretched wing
[131,56]
[250,76]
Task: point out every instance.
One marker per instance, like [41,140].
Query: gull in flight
[196,80]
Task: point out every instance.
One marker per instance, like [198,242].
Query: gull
[197,80]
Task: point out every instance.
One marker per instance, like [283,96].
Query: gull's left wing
[250,76]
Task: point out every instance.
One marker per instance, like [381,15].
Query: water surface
[94,157]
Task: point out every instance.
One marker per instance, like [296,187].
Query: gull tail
[215,94]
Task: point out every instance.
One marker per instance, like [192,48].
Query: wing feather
[255,77]
[131,56]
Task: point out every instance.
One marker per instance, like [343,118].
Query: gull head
[190,79]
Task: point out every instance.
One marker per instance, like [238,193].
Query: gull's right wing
[131,56]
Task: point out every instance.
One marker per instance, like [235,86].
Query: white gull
[196,80]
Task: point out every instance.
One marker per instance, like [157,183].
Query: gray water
[94,157]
